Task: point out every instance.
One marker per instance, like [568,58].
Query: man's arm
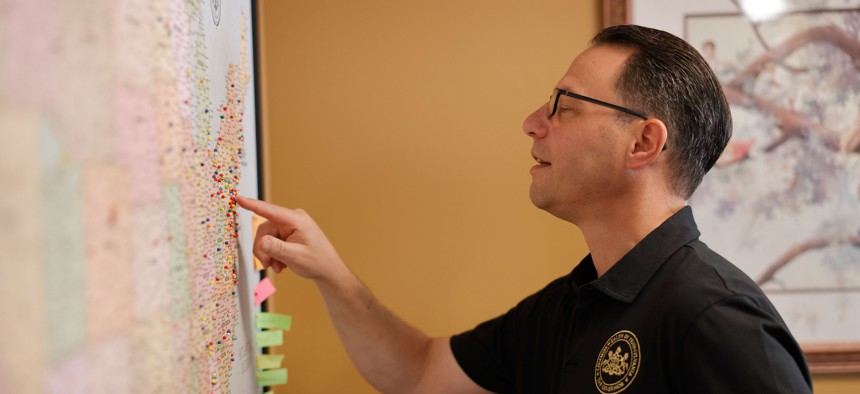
[392,355]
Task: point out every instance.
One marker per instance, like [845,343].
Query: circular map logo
[617,363]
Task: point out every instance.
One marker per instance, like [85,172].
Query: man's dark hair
[667,78]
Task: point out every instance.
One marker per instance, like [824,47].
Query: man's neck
[611,231]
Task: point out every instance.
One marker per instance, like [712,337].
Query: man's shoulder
[724,273]
[548,297]
[697,278]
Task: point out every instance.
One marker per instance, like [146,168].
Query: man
[625,139]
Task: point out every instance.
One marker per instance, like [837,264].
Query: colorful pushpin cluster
[214,171]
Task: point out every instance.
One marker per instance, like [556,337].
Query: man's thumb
[277,249]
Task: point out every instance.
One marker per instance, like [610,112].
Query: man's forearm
[387,351]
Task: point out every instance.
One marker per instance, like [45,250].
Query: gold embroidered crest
[617,363]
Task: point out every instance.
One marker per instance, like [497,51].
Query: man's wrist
[340,281]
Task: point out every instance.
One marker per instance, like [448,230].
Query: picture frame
[830,340]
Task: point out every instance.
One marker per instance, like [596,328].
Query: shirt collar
[629,275]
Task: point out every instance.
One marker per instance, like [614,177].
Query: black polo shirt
[670,316]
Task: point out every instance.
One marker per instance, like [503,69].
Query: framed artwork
[783,202]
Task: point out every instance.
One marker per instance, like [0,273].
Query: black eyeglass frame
[557,93]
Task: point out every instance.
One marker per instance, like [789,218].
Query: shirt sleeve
[737,346]
[490,352]
[479,352]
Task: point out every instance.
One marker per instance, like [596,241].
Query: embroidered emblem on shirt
[617,363]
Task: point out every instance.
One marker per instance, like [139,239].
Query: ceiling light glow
[761,10]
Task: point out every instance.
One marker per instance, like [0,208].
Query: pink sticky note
[264,290]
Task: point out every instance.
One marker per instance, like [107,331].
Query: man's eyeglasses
[557,93]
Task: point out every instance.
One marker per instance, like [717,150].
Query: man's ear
[650,139]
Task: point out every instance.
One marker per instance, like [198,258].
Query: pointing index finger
[272,212]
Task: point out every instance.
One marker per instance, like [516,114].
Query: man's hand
[291,239]
[392,355]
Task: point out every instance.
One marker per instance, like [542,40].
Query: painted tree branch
[851,143]
[799,249]
[790,123]
[831,35]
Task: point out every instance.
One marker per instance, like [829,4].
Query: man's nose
[536,123]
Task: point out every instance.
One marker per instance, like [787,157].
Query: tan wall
[396,124]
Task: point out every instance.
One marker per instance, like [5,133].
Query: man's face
[581,149]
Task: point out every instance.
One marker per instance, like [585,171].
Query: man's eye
[564,109]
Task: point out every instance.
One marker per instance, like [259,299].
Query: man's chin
[538,200]
[551,206]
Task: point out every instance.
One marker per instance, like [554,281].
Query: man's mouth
[541,164]
[540,161]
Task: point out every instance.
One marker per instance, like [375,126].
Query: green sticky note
[272,377]
[274,320]
[270,338]
[269,361]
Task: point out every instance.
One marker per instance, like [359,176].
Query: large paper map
[129,129]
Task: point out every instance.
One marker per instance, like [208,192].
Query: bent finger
[266,228]
[278,266]
[282,251]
